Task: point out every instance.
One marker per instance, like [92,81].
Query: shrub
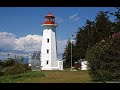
[104,61]
[1,73]
[8,62]
[15,69]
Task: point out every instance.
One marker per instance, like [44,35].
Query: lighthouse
[49,48]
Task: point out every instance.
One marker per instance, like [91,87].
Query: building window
[47,51]
[47,40]
[47,62]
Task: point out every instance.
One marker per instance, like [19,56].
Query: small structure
[35,61]
[84,65]
[60,64]
[77,65]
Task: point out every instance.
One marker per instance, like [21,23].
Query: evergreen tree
[81,43]
[102,26]
[116,24]
[67,54]
[92,33]
[83,39]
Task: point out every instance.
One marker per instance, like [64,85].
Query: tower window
[47,62]
[47,51]
[47,40]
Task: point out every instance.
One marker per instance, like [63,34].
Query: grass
[62,77]
[65,76]
[20,77]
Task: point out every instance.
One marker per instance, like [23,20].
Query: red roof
[50,15]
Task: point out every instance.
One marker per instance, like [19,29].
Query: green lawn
[20,77]
[65,76]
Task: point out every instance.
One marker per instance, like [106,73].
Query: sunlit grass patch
[21,77]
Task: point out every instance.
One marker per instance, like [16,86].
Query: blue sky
[18,22]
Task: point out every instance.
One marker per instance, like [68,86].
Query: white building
[49,49]
[84,65]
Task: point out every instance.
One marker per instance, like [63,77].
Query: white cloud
[29,43]
[74,17]
[61,45]
[7,41]
[23,45]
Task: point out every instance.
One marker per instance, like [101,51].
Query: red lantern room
[49,19]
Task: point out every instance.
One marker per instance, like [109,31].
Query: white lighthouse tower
[49,49]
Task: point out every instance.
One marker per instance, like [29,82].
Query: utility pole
[71,51]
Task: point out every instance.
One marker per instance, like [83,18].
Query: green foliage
[104,60]
[67,54]
[15,69]
[8,62]
[99,40]
[87,36]
[92,33]
[81,43]
[13,66]
[23,76]
[1,73]
[116,24]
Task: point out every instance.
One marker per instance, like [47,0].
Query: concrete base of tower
[49,68]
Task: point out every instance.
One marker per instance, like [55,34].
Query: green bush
[1,73]
[17,68]
[8,62]
[104,60]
